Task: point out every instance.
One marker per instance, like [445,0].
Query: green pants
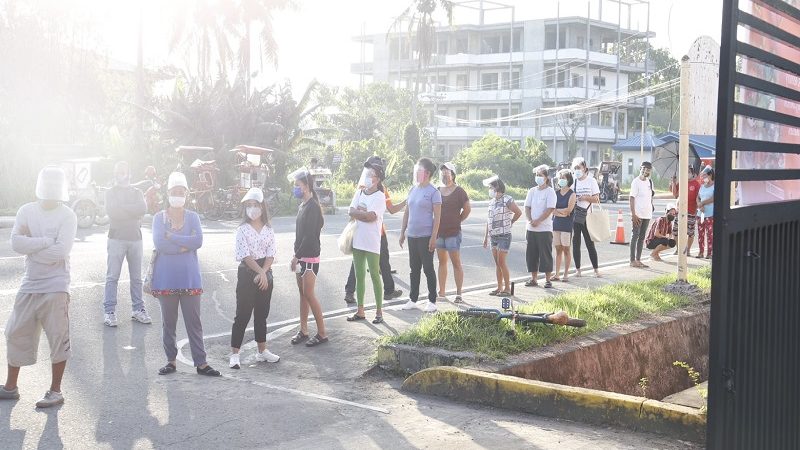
[362,259]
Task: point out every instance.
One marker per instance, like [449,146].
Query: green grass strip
[601,308]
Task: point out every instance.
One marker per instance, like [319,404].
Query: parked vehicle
[323,188]
[86,197]
[609,182]
[202,175]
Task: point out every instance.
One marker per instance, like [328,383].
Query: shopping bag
[345,240]
[598,224]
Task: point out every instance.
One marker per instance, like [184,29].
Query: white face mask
[578,173]
[492,193]
[177,202]
[368,183]
[253,212]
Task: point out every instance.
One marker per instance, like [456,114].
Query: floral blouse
[257,245]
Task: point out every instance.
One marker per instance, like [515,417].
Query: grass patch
[601,308]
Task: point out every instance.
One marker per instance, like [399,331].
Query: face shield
[418,175]
[367,178]
[297,174]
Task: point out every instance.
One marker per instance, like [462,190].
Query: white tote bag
[345,240]
[598,224]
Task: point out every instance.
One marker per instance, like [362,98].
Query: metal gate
[754,393]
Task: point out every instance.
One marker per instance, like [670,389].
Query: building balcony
[472,133]
[448,97]
[462,59]
[594,133]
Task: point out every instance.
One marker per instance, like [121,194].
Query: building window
[490,115]
[577,80]
[442,47]
[606,119]
[513,122]
[549,78]
[514,78]
[441,150]
[599,82]
[461,45]
[621,122]
[550,37]
[462,81]
[489,81]
[461,115]
[581,42]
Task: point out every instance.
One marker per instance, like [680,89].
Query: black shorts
[661,241]
[306,266]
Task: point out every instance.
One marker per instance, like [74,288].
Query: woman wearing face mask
[503,212]
[455,210]
[587,192]
[255,251]
[705,201]
[660,236]
[305,262]
[539,206]
[562,223]
[177,235]
[367,209]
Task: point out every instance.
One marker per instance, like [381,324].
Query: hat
[671,206]
[490,180]
[376,163]
[254,194]
[52,184]
[449,166]
[177,179]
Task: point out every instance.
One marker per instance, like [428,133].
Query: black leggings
[577,230]
[251,300]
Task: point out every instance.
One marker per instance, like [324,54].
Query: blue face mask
[297,192]
[578,174]
[562,183]
[539,180]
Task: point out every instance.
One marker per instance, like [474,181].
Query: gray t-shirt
[46,245]
[420,210]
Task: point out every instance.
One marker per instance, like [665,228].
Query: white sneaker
[409,305]
[235,361]
[430,307]
[50,398]
[110,320]
[141,317]
[267,356]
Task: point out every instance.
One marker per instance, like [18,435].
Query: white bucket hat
[51,184]
[177,179]
[254,194]
[449,166]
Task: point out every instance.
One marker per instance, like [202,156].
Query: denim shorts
[452,243]
[502,242]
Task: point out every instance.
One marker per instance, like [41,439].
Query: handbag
[598,224]
[580,214]
[345,240]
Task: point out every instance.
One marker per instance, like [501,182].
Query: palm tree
[419,15]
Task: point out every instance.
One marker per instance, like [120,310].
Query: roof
[635,143]
[704,144]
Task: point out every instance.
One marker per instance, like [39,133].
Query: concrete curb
[559,401]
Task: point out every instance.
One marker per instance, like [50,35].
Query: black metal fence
[754,383]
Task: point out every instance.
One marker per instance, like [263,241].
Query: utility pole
[585,152]
[683,169]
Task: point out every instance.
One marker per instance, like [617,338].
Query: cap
[449,166]
[254,194]
[177,179]
[51,184]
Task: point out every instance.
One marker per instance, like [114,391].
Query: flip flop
[531,283]
[555,279]
[494,292]
[378,319]
[356,318]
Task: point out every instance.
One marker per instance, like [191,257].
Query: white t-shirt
[643,195]
[368,234]
[587,186]
[539,200]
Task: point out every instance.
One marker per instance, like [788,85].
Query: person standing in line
[539,206]
[421,220]
[660,236]
[455,210]
[503,212]
[587,192]
[306,260]
[177,283]
[705,200]
[125,206]
[44,232]
[255,252]
[641,203]
[389,291]
[562,223]
[691,211]
[367,208]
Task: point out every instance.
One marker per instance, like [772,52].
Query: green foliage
[411,144]
[695,377]
[473,178]
[601,308]
[505,158]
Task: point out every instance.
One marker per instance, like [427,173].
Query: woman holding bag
[367,210]
[255,251]
[587,192]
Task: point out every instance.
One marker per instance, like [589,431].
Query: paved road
[116,400]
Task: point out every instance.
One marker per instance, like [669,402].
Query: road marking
[218,307]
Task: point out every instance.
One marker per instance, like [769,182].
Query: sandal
[168,369]
[504,294]
[208,371]
[316,340]
[299,337]
[565,280]
[378,319]
[548,285]
[458,299]
[555,279]
[355,318]
[531,283]
[494,292]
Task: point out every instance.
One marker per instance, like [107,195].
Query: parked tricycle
[86,197]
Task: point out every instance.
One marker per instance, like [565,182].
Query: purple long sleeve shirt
[177,267]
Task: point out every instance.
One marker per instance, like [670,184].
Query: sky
[316,39]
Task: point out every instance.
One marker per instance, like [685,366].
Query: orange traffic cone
[620,238]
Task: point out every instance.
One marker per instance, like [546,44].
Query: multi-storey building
[479,76]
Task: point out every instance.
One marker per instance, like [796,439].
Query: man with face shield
[44,232]
[125,206]
[641,202]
